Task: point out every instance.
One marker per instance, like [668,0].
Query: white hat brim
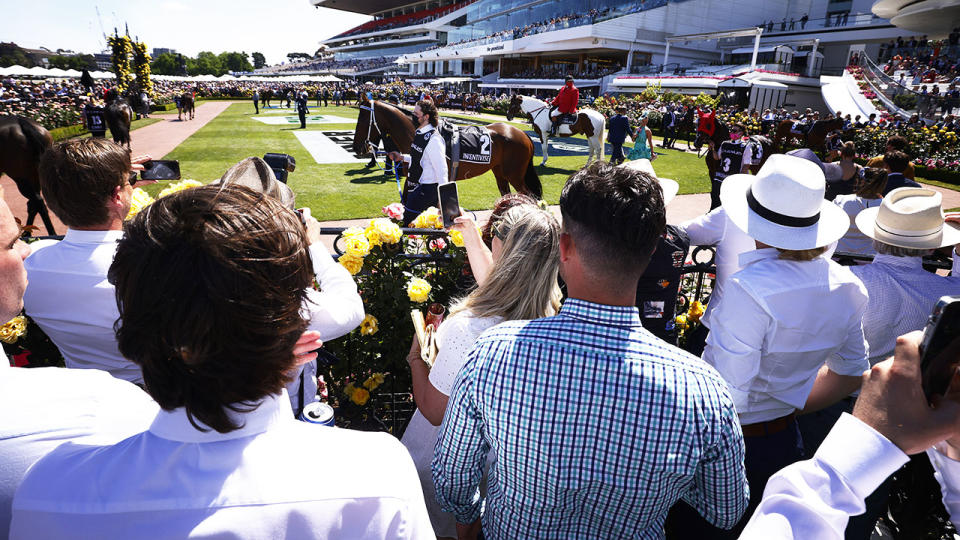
[669,187]
[949,235]
[832,225]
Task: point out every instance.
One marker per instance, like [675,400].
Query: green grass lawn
[343,191]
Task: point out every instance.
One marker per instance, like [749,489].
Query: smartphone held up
[940,347]
[160,169]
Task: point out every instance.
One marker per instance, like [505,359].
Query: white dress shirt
[778,323]
[715,229]
[69,296]
[947,473]
[902,296]
[855,241]
[45,407]
[814,499]
[175,481]
[434,161]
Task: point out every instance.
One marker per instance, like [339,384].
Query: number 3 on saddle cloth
[471,144]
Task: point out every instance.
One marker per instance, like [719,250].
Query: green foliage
[651,92]
[258,60]
[906,101]
[206,63]
[79,62]
[165,64]
[294,56]
[704,100]
[235,61]
[11,55]
[63,133]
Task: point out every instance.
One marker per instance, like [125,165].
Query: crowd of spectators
[545,72]
[409,19]
[314,66]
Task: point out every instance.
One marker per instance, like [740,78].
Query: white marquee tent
[37,71]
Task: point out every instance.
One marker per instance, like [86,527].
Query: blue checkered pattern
[597,428]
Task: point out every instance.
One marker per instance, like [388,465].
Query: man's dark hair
[738,127]
[615,216]
[897,143]
[79,176]
[428,108]
[210,282]
[897,161]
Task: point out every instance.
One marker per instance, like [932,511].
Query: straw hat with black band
[783,205]
[256,174]
[910,218]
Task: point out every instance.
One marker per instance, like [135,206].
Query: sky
[273,27]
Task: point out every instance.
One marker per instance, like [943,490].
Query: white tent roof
[101,75]
[72,73]
[56,72]
[37,70]
[18,70]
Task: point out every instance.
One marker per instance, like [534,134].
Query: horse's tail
[38,138]
[531,180]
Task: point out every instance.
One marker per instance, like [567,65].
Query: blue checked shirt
[597,428]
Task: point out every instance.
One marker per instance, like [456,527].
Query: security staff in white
[427,163]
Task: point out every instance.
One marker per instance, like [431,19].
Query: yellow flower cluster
[13,330]
[178,186]
[139,200]
[695,312]
[429,219]
[368,326]
[357,247]
[359,396]
[457,238]
[681,321]
[373,381]
[383,231]
[418,289]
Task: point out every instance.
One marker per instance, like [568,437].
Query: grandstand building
[764,53]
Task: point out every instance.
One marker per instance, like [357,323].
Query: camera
[281,164]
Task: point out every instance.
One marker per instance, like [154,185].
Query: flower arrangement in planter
[121,48]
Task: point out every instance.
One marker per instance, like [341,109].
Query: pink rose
[438,245]
[393,211]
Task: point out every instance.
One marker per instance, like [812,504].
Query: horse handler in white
[427,163]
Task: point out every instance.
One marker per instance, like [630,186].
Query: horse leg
[544,146]
[503,184]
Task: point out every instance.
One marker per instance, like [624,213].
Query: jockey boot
[554,126]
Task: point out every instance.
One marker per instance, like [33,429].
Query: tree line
[205,63]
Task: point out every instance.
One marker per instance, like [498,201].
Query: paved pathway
[156,140]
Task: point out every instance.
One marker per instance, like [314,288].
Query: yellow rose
[681,321]
[372,236]
[429,219]
[357,246]
[13,330]
[369,325]
[373,381]
[388,231]
[457,238]
[178,186]
[139,200]
[352,232]
[418,289]
[351,263]
[349,389]
[360,396]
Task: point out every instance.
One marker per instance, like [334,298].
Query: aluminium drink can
[318,413]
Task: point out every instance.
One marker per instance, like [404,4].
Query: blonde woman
[521,284]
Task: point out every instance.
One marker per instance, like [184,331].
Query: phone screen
[161,169]
[939,358]
[449,203]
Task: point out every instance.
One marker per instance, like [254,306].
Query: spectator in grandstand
[520,285]
[895,143]
[618,127]
[49,406]
[566,103]
[869,191]
[612,219]
[427,162]
[216,355]
[896,163]
[786,293]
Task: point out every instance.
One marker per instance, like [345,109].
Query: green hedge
[941,175]
[63,133]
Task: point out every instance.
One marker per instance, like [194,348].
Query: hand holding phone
[161,169]
[449,203]
[940,347]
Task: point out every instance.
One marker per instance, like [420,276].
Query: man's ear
[567,246]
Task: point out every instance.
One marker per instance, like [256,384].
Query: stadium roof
[366,7]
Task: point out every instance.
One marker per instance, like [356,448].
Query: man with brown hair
[896,163]
[211,284]
[895,143]
[86,183]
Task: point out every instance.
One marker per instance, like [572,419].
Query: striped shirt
[596,427]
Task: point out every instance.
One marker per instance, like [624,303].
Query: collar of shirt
[907,263]
[750,257]
[175,426]
[425,129]
[600,313]
[74,236]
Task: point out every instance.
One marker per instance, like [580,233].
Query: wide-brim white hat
[911,218]
[668,186]
[783,205]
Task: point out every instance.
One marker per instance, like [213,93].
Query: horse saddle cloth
[564,118]
[471,144]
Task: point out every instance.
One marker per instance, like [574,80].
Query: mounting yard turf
[343,191]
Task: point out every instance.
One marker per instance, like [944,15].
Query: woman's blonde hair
[523,283]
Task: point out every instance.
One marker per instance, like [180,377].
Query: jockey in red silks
[566,103]
[707,122]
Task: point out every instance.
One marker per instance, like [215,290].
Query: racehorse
[186,106]
[687,128]
[720,134]
[813,139]
[119,114]
[589,123]
[22,141]
[511,150]
[470,102]
[265,96]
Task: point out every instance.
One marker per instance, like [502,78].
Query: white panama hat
[668,186]
[783,205]
[909,217]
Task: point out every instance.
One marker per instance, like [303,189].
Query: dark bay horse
[22,141]
[119,115]
[721,134]
[265,96]
[186,106]
[511,154]
[813,139]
